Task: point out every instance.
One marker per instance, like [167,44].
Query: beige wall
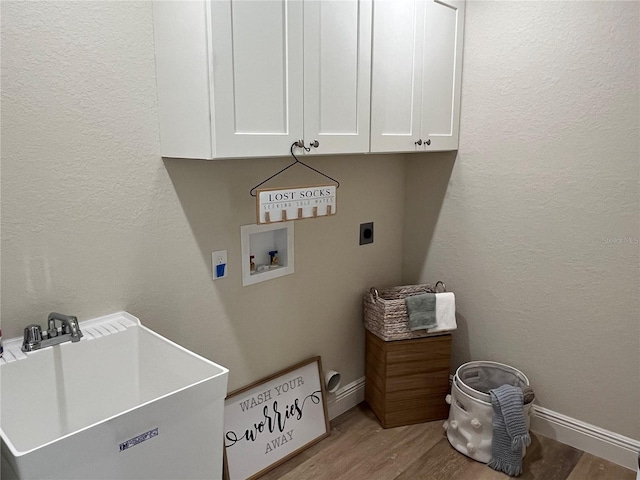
[535,225]
[94,221]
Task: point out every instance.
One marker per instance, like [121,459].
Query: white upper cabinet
[337,75]
[243,78]
[257,75]
[416,75]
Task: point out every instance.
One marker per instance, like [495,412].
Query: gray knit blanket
[510,432]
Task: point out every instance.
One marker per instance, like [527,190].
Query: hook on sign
[299,144]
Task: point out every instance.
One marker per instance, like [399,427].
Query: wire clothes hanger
[300,144]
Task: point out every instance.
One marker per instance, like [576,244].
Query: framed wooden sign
[285,204]
[274,419]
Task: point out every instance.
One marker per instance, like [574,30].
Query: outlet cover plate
[219,265]
[366,233]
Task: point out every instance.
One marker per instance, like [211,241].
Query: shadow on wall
[460,348]
[215,199]
[269,325]
[427,179]
[214,196]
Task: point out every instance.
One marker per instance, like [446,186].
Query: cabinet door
[337,63]
[396,75]
[257,70]
[182,78]
[441,74]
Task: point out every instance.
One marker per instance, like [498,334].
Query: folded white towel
[445,312]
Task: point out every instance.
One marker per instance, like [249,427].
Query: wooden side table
[407,380]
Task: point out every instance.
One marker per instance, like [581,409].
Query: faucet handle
[32,337]
[72,327]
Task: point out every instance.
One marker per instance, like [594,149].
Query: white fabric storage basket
[469,427]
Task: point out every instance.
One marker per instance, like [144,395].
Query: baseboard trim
[597,441]
[602,443]
[346,398]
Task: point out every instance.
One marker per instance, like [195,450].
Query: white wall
[94,221]
[535,224]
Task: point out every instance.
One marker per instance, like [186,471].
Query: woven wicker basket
[385,312]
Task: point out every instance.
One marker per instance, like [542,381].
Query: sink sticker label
[139,439]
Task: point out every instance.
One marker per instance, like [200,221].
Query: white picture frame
[274,419]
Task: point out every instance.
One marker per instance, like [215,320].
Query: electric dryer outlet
[366,233]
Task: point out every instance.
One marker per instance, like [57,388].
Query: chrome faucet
[35,338]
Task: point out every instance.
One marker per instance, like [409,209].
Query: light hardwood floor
[359,448]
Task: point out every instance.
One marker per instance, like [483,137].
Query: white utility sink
[124,402]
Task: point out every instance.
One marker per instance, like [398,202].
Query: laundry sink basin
[124,402]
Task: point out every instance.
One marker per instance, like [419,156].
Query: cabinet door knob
[419,142]
[314,144]
[428,142]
